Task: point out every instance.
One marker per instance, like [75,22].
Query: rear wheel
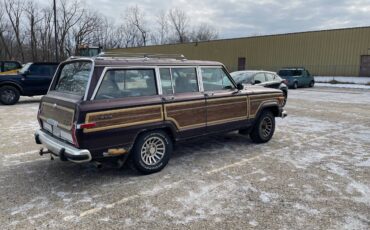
[152,151]
[264,128]
[312,83]
[295,85]
[9,95]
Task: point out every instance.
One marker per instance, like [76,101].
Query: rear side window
[184,80]
[123,83]
[10,66]
[270,77]
[259,78]
[215,79]
[42,70]
[73,77]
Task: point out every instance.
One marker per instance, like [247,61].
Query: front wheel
[151,152]
[312,83]
[264,128]
[9,95]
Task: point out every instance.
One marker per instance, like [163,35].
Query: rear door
[272,81]
[226,109]
[184,104]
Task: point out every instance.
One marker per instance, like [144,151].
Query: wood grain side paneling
[225,110]
[124,117]
[186,115]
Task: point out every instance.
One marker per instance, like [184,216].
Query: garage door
[365,66]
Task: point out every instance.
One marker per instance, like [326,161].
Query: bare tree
[70,14]
[160,35]
[14,10]
[204,32]
[84,29]
[179,21]
[33,16]
[4,26]
[135,17]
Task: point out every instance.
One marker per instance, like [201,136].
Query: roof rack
[117,55]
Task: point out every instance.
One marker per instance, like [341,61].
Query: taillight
[74,138]
[87,125]
[38,115]
[285,81]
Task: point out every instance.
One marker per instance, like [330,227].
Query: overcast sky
[239,18]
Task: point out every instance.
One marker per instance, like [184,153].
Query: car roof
[153,61]
[254,71]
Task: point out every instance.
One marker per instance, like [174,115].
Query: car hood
[259,89]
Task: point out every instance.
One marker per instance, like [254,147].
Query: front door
[38,79]
[184,104]
[226,109]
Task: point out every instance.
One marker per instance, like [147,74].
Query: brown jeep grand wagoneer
[140,105]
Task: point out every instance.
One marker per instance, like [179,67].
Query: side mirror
[257,82]
[27,72]
[239,86]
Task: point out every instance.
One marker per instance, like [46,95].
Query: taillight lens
[74,137]
[38,115]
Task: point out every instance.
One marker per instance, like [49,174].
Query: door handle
[209,94]
[171,98]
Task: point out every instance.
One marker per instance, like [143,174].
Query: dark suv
[296,77]
[33,79]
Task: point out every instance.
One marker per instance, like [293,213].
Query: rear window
[73,77]
[288,73]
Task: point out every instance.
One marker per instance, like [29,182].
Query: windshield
[73,77]
[242,77]
[25,68]
[288,73]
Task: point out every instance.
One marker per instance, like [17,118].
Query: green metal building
[338,52]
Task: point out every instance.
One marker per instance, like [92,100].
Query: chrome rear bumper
[61,149]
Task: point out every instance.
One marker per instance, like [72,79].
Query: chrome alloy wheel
[153,150]
[266,127]
[8,95]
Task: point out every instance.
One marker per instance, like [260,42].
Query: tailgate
[57,116]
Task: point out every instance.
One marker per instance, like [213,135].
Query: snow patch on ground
[355,80]
[347,86]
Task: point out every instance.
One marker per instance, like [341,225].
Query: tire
[151,152]
[295,85]
[312,83]
[9,95]
[264,128]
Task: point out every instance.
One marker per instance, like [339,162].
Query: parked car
[111,108]
[33,79]
[297,77]
[8,67]
[261,78]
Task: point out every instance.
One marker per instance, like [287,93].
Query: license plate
[56,131]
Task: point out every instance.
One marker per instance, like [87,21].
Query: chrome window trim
[200,79]
[106,69]
[158,81]
[159,74]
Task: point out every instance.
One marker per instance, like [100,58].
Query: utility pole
[56,33]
